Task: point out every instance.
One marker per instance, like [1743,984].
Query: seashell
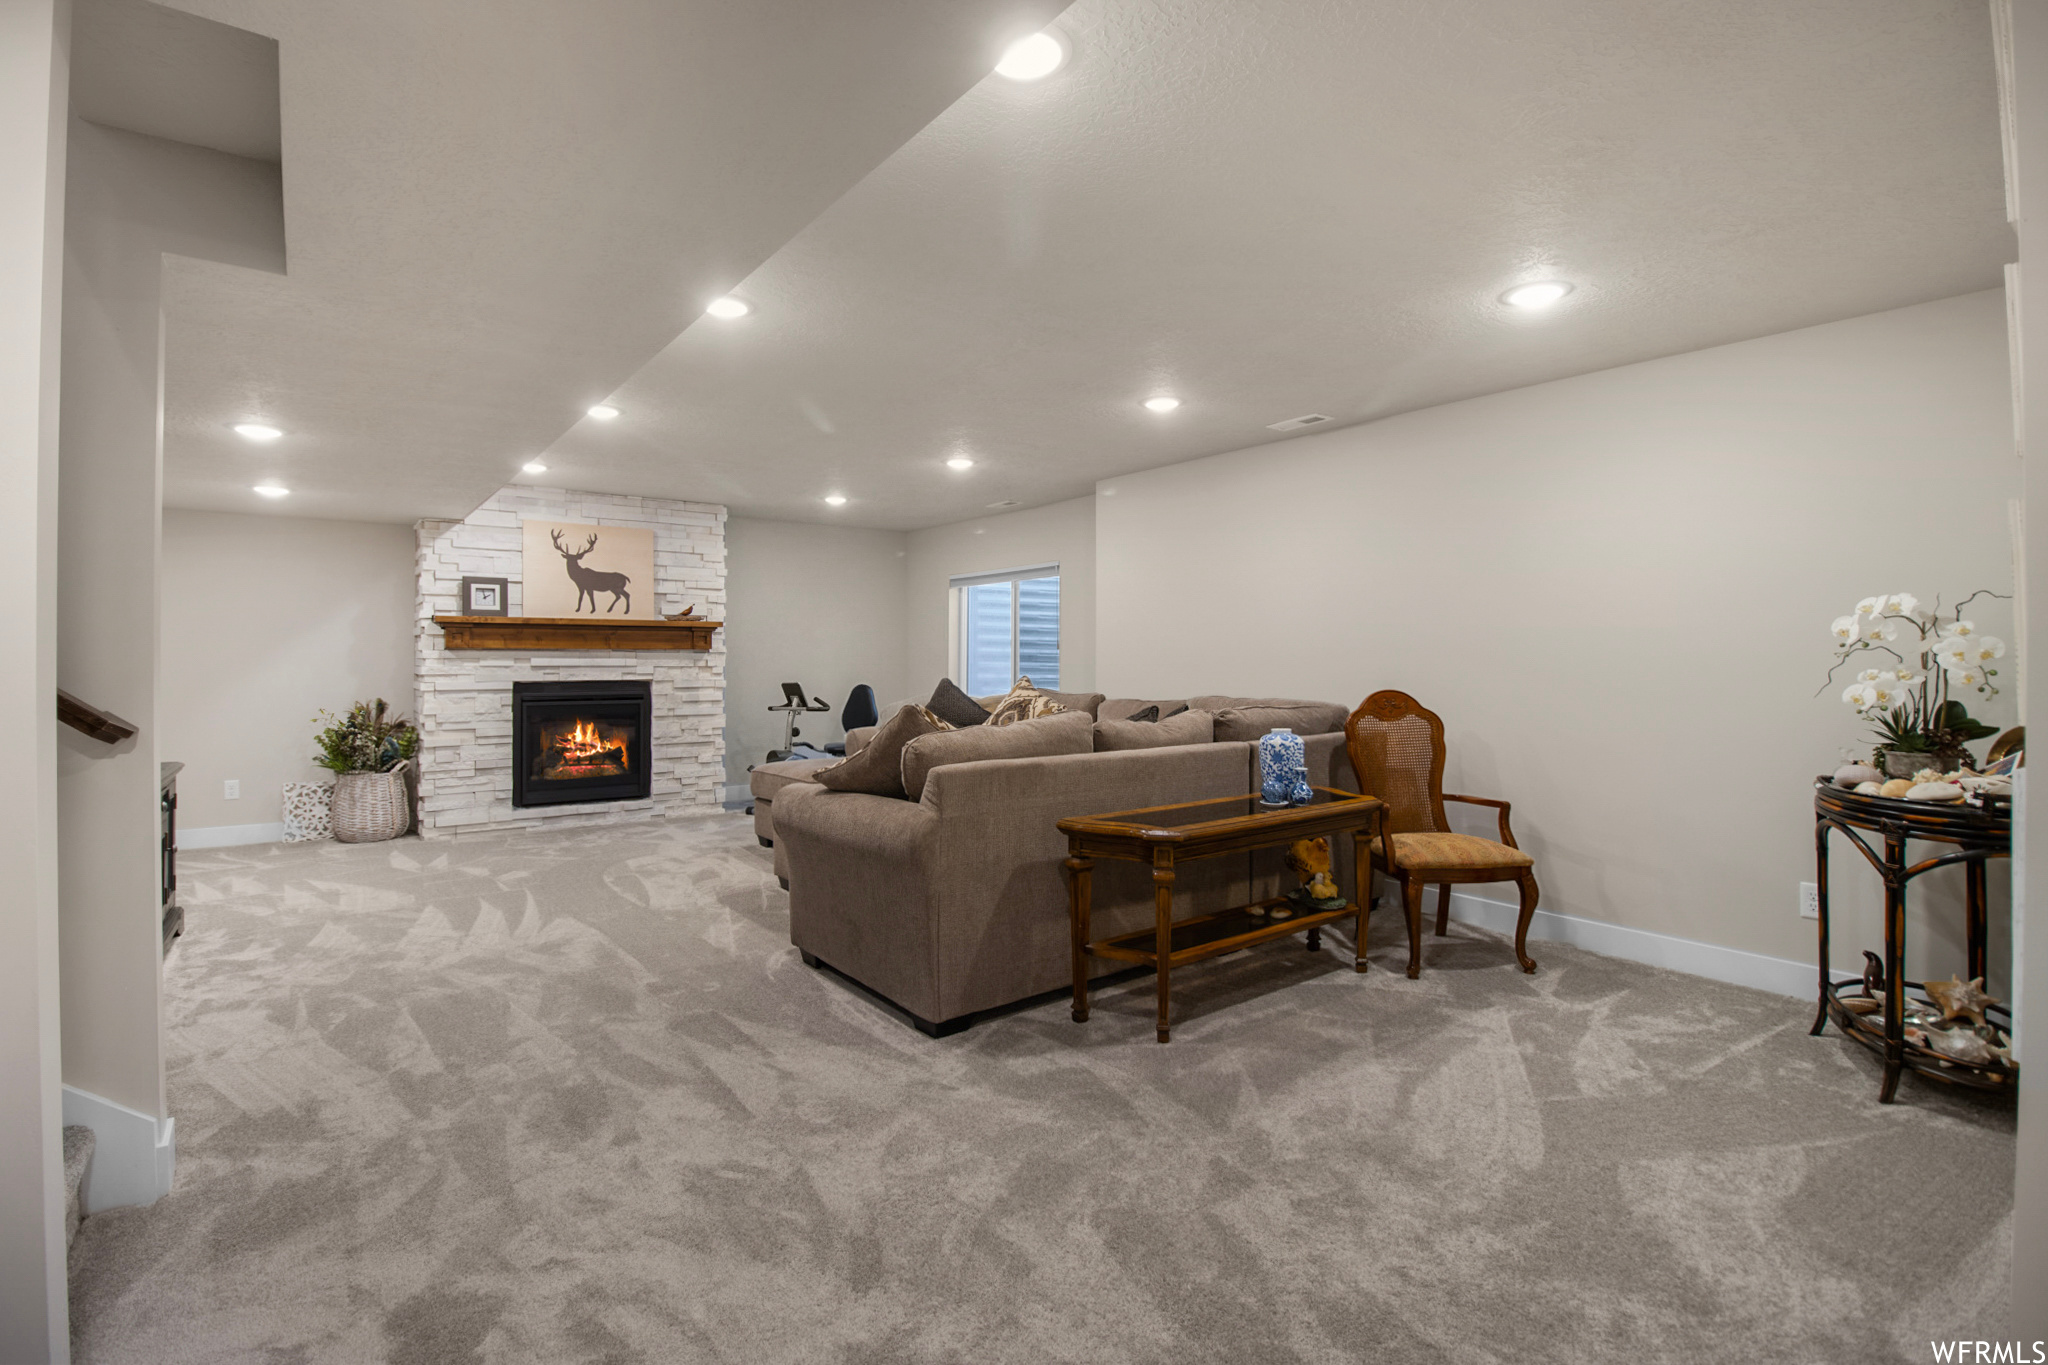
[1862,1004]
[1935,791]
[1855,774]
[1928,775]
[1869,788]
[1959,998]
[1919,1038]
[1961,1044]
[1896,789]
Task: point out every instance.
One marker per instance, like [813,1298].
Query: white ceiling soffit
[496,214]
[174,75]
[1278,207]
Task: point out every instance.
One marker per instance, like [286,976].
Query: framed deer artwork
[572,569]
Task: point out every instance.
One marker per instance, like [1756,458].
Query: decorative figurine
[1960,1001]
[1873,973]
[1309,859]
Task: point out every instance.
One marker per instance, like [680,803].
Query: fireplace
[580,741]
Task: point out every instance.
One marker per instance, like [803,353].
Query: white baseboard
[229,836]
[1733,965]
[133,1154]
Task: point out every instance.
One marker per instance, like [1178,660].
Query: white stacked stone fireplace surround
[463,698]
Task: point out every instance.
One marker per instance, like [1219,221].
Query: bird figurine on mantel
[683,615]
[1961,1000]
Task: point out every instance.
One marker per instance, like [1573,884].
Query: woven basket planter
[369,807]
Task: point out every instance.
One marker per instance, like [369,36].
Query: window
[1009,626]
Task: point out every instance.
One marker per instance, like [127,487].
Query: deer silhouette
[590,582]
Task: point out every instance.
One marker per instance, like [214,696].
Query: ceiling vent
[1313,419]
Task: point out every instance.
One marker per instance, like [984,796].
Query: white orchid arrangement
[1933,655]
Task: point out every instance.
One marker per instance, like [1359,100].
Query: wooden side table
[1979,831]
[1165,836]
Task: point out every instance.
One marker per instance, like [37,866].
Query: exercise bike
[793,705]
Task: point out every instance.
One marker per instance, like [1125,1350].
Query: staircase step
[78,1142]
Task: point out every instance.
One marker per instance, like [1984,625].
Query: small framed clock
[485,597]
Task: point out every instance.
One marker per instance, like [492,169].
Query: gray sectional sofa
[955,904]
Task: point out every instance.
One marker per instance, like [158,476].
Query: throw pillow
[1066,732]
[1127,708]
[1091,702]
[1189,727]
[955,707]
[878,768]
[1025,702]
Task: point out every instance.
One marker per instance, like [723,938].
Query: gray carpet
[573,1097]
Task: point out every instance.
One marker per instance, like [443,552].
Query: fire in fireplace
[580,741]
[570,749]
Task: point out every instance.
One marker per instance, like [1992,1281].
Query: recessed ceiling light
[1162,403]
[728,307]
[835,500]
[1033,58]
[1533,296]
[534,467]
[959,462]
[604,412]
[256,431]
[271,490]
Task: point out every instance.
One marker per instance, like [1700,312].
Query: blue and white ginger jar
[1283,770]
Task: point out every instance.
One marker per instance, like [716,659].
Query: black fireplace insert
[581,741]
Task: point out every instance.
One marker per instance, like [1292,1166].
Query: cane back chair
[1397,751]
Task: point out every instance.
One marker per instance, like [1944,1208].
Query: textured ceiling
[497,213]
[1275,207]
[160,71]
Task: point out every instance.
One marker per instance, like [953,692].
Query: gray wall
[1616,589]
[129,201]
[819,605]
[2029,134]
[268,620]
[33,1318]
[1062,533]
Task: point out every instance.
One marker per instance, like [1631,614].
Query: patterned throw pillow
[305,811]
[1025,702]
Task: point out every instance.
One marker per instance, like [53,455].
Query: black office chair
[858,711]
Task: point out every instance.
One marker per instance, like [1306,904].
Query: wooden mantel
[573,632]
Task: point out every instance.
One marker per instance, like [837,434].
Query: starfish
[1958,1000]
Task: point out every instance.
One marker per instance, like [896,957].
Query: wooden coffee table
[1166,836]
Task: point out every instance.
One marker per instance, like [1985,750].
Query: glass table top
[1183,814]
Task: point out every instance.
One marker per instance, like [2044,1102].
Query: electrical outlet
[232,789]
[1809,901]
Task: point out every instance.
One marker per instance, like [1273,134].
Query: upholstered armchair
[1397,751]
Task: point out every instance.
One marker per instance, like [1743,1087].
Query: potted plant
[1919,722]
[368,752]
